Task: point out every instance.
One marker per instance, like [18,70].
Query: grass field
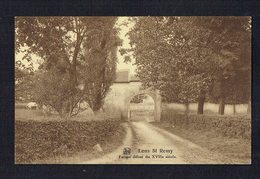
[237,150]
[23,114]
[228,135]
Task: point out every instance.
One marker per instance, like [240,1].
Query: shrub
[231,126]
[43,140]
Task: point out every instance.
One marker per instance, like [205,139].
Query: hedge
[227,125]
[43,140]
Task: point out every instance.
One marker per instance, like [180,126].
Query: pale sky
[120,66]
[124,29]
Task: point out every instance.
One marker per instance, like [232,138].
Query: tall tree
[71,47]
[231,43]
[184,57]
[23,80]
[168,59]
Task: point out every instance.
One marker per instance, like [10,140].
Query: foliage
[185,57]
[23,82]
[138,98]
[39,141]
[231,41]
[53,88]
[78,51]
[238,126]
[167,57]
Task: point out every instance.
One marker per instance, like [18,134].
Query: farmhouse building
[122,91]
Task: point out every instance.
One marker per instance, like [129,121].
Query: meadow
[229,135]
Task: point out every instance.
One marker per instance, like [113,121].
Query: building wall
[118,99]
[119,92]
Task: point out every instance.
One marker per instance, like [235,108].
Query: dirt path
[153,145]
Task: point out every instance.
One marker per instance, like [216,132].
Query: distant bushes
[209,108]
[237,126]
[42,140]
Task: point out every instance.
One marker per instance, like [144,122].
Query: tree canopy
[78,54]
[189,58]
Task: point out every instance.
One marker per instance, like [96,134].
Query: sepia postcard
[133,90]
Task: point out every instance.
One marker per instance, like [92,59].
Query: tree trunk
[70,109]
[201,102]
[187,110]
[98,112]
[234,109]
[64,112]
[221,106]
[64,115]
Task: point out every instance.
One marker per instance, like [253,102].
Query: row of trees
[194,59]
[79,60]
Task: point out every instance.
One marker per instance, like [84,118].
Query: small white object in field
[173,126]
[32,105]
[98,148]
